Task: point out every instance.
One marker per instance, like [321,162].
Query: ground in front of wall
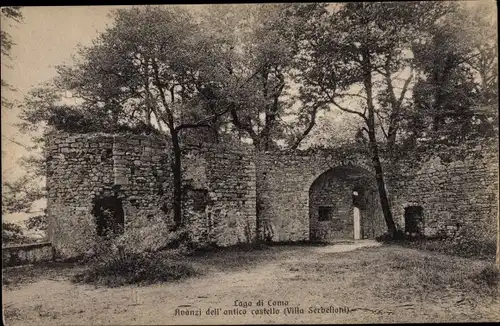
[358,282]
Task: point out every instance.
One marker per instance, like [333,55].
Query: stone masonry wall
[27,254]
[226,181]
[283,183]
[82,168]
[231,194]
[136,169]
[463,191]
[334,189]
[452,194]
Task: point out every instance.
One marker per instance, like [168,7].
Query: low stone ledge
[25,254]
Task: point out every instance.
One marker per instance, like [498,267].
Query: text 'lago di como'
[261,308]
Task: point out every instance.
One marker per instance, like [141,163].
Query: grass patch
[469,248]
[18,275]
[406,274]
[134,268]
[244,256]
[12,314]
[301,243]
[241,247]
[254,246]
[112,269]
[118,269]
[403,274]
[238,257]
[429,274]
[490,276]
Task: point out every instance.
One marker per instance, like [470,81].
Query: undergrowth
[470,246]
[134,268]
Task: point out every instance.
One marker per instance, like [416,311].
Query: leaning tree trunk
[370,122]
[379,176]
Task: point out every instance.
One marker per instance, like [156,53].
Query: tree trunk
[148,117]
[370,122]
[379,176]
[177,174]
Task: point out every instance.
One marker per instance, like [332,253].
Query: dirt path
[308,286]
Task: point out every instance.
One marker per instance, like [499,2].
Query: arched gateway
[343,205]
[316,196]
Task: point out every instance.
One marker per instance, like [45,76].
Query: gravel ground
[338,283]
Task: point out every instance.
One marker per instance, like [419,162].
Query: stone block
[121,180]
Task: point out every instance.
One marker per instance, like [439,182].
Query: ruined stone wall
[337,195]
[226,181]
[27,254]
[462,191]
[225,189]
[136,169]
[283,183]
[334,189]
[82,168]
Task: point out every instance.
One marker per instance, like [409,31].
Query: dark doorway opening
[358,197]
[200,199]
[110,218]
[414,219]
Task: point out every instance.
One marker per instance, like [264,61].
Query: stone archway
[343,205]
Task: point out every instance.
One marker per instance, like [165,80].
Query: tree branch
[170,116]
[243,126]
[202,122]
[26,147]
[405,88]
[381,124]
[350,111]
[311,124]
[340,107]
[351,94]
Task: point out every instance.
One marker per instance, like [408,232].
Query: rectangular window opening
[325,213]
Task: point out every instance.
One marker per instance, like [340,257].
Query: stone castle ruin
[101,181]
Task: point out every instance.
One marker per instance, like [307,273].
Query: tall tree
[264,38]
[403,70]
[456,89]
[355,56]
[8,14]
[165,75]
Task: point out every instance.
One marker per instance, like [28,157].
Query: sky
[46,37]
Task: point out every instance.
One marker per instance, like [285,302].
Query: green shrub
[471,241]
[122,268]
[148,251]
[477,241]
[490,276]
